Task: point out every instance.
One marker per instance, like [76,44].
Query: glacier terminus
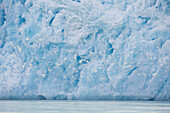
[85,49]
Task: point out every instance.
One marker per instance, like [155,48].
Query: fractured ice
[85,49]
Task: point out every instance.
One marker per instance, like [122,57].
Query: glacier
[85,49]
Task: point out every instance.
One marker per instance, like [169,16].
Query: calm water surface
[46,106]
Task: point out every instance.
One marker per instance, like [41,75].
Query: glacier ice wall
[85,49]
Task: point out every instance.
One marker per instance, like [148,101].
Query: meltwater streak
[32,106]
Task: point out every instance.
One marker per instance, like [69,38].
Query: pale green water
[45,106]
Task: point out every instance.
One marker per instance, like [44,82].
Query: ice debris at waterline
[85,49]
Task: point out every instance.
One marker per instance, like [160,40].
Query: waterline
[52,106]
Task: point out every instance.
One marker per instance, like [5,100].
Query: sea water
[51,106]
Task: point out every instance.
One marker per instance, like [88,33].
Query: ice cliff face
[85,49]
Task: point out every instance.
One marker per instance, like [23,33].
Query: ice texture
[85,49]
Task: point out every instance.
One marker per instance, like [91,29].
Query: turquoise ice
[85,49]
